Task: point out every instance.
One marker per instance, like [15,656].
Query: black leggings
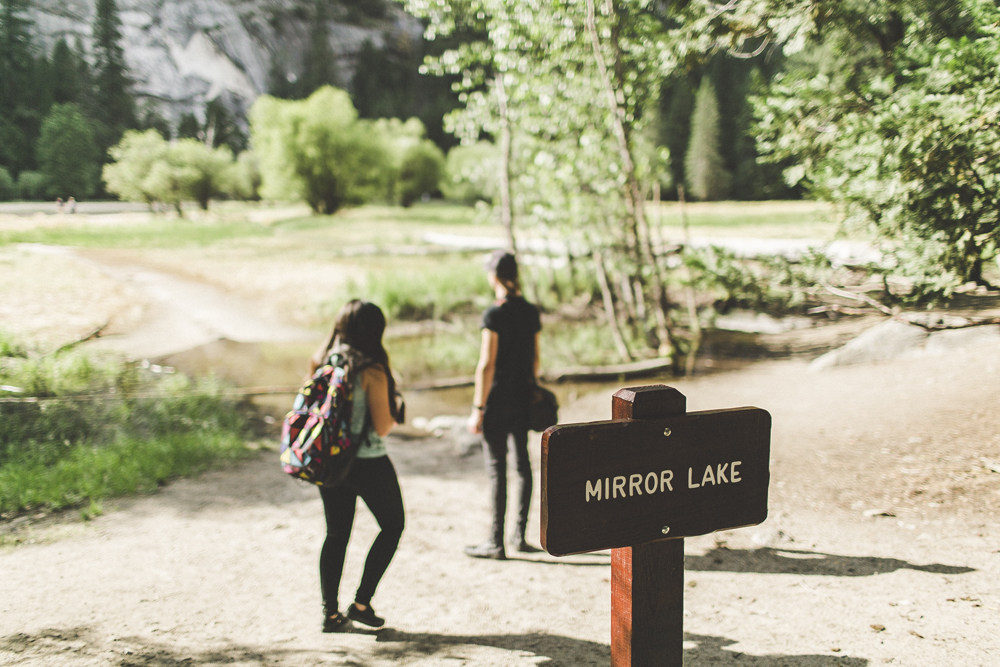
[374,480]
[500,421]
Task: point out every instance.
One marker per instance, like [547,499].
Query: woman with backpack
[357,337]
[507,369]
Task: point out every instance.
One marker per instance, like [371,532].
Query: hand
[475,423]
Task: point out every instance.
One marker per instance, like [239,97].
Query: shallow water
[285,365]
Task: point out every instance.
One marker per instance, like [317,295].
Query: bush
[420,172]
[244,179]
[8,188]
[31,186]
[99,434]
[471,173]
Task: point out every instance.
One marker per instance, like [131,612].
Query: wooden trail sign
[638,485]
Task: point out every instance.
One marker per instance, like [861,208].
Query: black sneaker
[486,550]
[336,622]
[366,616]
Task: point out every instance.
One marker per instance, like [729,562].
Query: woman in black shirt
[508,366]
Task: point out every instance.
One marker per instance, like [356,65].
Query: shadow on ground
[83,645]
[789,561]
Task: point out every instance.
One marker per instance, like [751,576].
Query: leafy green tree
[906,147]
[703,165]
[420,172]
[133,159]
[318,151]
[114,102]
[67,153]
[194,171]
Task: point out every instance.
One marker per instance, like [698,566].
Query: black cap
[503,264]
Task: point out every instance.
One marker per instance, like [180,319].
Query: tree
[317,150]
[908,147]
[420,172]
[18,120]
[133,159]
[319,63]
[113,97]
[65,74]
[703,166]
[196,171]
[67,153]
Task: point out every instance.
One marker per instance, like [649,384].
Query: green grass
[100,434]
[158,233]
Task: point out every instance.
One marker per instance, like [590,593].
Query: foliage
[115,105]
[67,153]
[706,175]
[149,169]
[471,173]
[133,159]
[245,180]
[98,439]
[318,151]
[32,186]
[908,149]
[420,172]
[8,188]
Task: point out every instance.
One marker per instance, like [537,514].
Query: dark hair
[503,265]
[359,326]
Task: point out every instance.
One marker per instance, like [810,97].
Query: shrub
[8,188]
[420,172]
[99,433]
[31,186]
[471,173]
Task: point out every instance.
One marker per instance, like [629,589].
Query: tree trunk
[609,308]
[634,201]
[506,216]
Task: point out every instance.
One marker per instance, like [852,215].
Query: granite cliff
[183,53]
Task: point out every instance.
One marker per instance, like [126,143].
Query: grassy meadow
[73,450]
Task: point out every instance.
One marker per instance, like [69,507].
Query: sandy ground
[222,569]
[881,547]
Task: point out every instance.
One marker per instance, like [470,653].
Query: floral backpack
[316,443]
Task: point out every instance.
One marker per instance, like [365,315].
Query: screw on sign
[638,485]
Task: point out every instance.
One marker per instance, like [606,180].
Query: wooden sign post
[638,485]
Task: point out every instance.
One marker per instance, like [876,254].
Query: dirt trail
[176,313]
[222,569]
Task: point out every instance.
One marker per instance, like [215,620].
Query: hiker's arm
[484,379]
[376,386]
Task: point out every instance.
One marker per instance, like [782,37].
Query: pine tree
[18,120]
[65,74]
[319,63]
[15,54]
[705,171]
[115,104]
